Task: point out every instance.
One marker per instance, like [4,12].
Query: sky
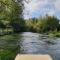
[37,8]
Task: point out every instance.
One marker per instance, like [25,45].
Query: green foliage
[11,14]
[43,24]
[9,47]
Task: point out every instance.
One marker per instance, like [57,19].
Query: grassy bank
[54,34]
[8,46]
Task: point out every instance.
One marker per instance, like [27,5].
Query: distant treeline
[43,24]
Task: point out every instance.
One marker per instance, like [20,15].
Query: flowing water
[32,43]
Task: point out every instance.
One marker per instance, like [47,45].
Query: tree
[43,24]
[11,11]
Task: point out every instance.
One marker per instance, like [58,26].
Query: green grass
[55,34]
[8,47]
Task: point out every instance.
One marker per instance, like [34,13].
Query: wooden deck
[33,57]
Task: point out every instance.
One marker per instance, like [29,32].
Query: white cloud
[50,12]
[39,5]
[57,4]
[33,6]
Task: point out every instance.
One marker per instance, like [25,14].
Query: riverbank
[54,34]
[8,46]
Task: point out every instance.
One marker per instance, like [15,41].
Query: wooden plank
[33,57]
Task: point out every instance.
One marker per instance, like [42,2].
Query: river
[33,43]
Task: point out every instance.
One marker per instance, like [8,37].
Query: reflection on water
[28,43]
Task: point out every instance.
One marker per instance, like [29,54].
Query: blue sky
[36,8]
